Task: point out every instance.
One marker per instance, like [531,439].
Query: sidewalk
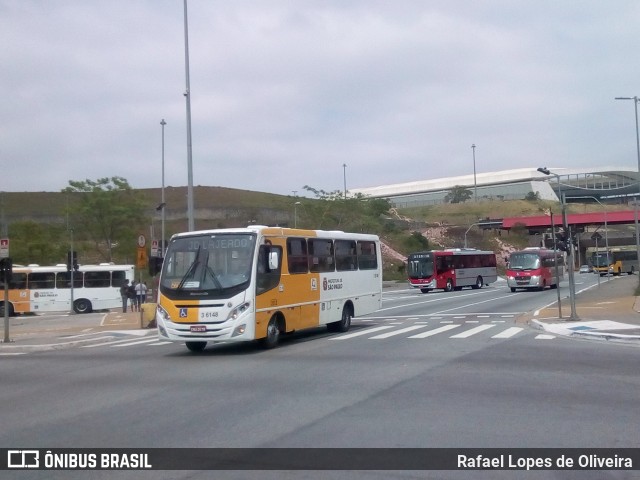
[609,312]
[51,332]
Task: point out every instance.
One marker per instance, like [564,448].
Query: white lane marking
[542,336]
[363,332]
[106,343]
[472,331]
[138,342]
[509,332]
[397,332]
[435,331]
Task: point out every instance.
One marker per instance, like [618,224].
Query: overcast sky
[284,93]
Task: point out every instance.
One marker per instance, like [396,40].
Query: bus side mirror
[273,260]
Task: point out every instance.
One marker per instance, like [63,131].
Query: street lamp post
[635,104]
[162,202]
[187,95]
[344,176]
[606,232]
[465,233]
[295,214]
[565,225]
[475,184]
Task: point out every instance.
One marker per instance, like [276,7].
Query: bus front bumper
[233,330]
[417,283]
[533,281]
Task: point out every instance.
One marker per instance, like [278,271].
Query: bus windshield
[214,264]
[524,261]
[600,260]
[420,266]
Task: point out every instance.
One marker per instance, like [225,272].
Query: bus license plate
[198,328]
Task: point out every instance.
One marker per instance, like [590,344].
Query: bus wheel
[273,334]
[513,289]
[479,283]
[424,290]
[449,286]
[345,322]
[11,311]
[195,346]
[82,305]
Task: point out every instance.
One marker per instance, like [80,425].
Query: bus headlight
[163,313]
[239,310]
[239,330]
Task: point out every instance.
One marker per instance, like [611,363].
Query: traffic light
[72,261]
[6,270]
[155,265]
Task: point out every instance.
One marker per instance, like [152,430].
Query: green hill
[38,221]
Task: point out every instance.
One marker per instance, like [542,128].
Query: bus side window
[267,278]
[297,255]
[345,252]
[321,255]
[367,258]
[18,281]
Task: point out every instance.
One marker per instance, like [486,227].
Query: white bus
[257,283]
[35,288]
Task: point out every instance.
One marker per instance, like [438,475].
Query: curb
[598,336]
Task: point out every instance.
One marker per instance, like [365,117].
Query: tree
[41,243]
[106,211]
[532,197]
[458,194]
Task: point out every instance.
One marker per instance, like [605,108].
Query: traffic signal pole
[6,311]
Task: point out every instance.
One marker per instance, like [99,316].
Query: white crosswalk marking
[509,332]
[473,331]
[435,331]
[364,332]
[543,336]
[392,327]
[137,342]
[115,342]
[397,332]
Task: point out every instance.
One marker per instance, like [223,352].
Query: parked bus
[451,269]
[257,283]
[535,268]
[619,260]
[35,288]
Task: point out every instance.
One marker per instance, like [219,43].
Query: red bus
[534,268]
[451,269]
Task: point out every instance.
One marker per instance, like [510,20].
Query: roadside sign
[142,241]
[141,258]
[154,248]
[4,247]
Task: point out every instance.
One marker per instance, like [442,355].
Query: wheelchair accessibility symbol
[183,313]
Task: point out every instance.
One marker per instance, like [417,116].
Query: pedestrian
[124,294]
[141,294]
[131,293]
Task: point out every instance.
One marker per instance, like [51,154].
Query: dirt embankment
[438,236]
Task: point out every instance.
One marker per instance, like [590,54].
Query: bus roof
[455,251]
[103,267]
[283,232]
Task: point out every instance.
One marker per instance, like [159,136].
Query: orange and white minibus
[35,288]
[257,283]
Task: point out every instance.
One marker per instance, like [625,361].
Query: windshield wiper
[190,271]
[213,275]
